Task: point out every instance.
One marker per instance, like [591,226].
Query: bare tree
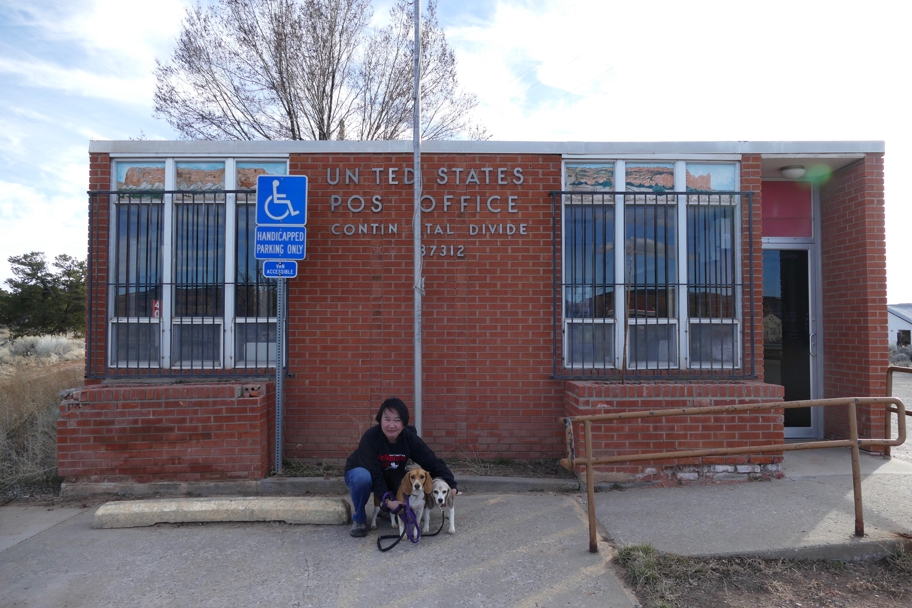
[385,107]
[308,69]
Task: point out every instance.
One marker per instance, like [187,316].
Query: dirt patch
[672,581]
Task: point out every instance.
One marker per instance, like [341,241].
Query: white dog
[440,497]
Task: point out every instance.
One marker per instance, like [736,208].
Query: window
[207,306]
[198,260]
[903,337]
[712,267]
[136,270]
[677,222]
[589,273]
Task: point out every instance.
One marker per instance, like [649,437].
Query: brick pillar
[97,293]
[853,258]
[752,219]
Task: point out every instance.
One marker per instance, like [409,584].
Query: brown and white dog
[439,497]
[415,485]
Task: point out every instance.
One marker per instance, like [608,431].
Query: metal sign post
[281,239]
[280,366]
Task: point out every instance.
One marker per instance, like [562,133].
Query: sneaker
[359,529]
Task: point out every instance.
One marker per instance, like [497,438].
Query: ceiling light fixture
[793,171]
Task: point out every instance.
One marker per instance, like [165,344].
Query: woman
[378,465]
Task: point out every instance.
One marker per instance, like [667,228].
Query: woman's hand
[392,505]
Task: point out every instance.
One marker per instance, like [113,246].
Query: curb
[139,513]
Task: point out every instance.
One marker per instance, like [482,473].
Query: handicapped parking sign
[281,200]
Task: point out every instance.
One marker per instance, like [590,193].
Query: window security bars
[181,290]
[652,284]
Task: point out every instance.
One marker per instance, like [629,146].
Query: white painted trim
[273,148]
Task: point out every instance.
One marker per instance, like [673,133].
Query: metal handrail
[572,461]
[888,426]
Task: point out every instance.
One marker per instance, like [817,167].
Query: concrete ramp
[292,510]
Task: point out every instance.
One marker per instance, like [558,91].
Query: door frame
[815,313]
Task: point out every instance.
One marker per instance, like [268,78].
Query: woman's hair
[397,405]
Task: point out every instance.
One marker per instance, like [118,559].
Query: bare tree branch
[308,69]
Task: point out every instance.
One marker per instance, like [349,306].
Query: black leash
[442,520]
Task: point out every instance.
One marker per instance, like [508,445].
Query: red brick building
[559,279]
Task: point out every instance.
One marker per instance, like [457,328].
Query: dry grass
[31,378]
[502,467]
[665,581]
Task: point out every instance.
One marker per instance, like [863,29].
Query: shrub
[901,356]
[41,350]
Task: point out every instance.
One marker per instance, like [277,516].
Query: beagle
[439,497]
[415,485]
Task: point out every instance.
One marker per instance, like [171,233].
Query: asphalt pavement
[508,550]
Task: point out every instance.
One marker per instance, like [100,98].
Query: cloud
[136,31]
[48,75]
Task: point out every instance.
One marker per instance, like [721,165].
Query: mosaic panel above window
[143,175]
[247,173]
[589,176]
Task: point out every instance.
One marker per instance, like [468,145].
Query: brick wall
[853,252]
[486,319]
[680,433]
[166,432]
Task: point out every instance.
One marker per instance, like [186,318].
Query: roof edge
[240,148]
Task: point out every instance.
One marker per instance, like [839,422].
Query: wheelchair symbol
[279,199]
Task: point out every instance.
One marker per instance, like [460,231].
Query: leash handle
[389,496]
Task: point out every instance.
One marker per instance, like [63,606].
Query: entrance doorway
[789,332]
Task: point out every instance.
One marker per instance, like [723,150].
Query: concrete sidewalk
[808,514]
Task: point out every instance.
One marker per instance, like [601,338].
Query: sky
[543,70]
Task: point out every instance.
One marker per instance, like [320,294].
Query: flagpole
[416,224]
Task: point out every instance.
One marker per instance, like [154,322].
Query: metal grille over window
[184,294]
[625,261]
[136,288]
[255,296]
[712,291]
[198,281]
[651,281]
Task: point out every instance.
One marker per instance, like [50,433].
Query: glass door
[789,334]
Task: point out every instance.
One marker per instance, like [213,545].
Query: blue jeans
[359,484]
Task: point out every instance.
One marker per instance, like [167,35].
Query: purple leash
[408,518]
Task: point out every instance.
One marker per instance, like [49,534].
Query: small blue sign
[280,270]
[281,200]
[280,243]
